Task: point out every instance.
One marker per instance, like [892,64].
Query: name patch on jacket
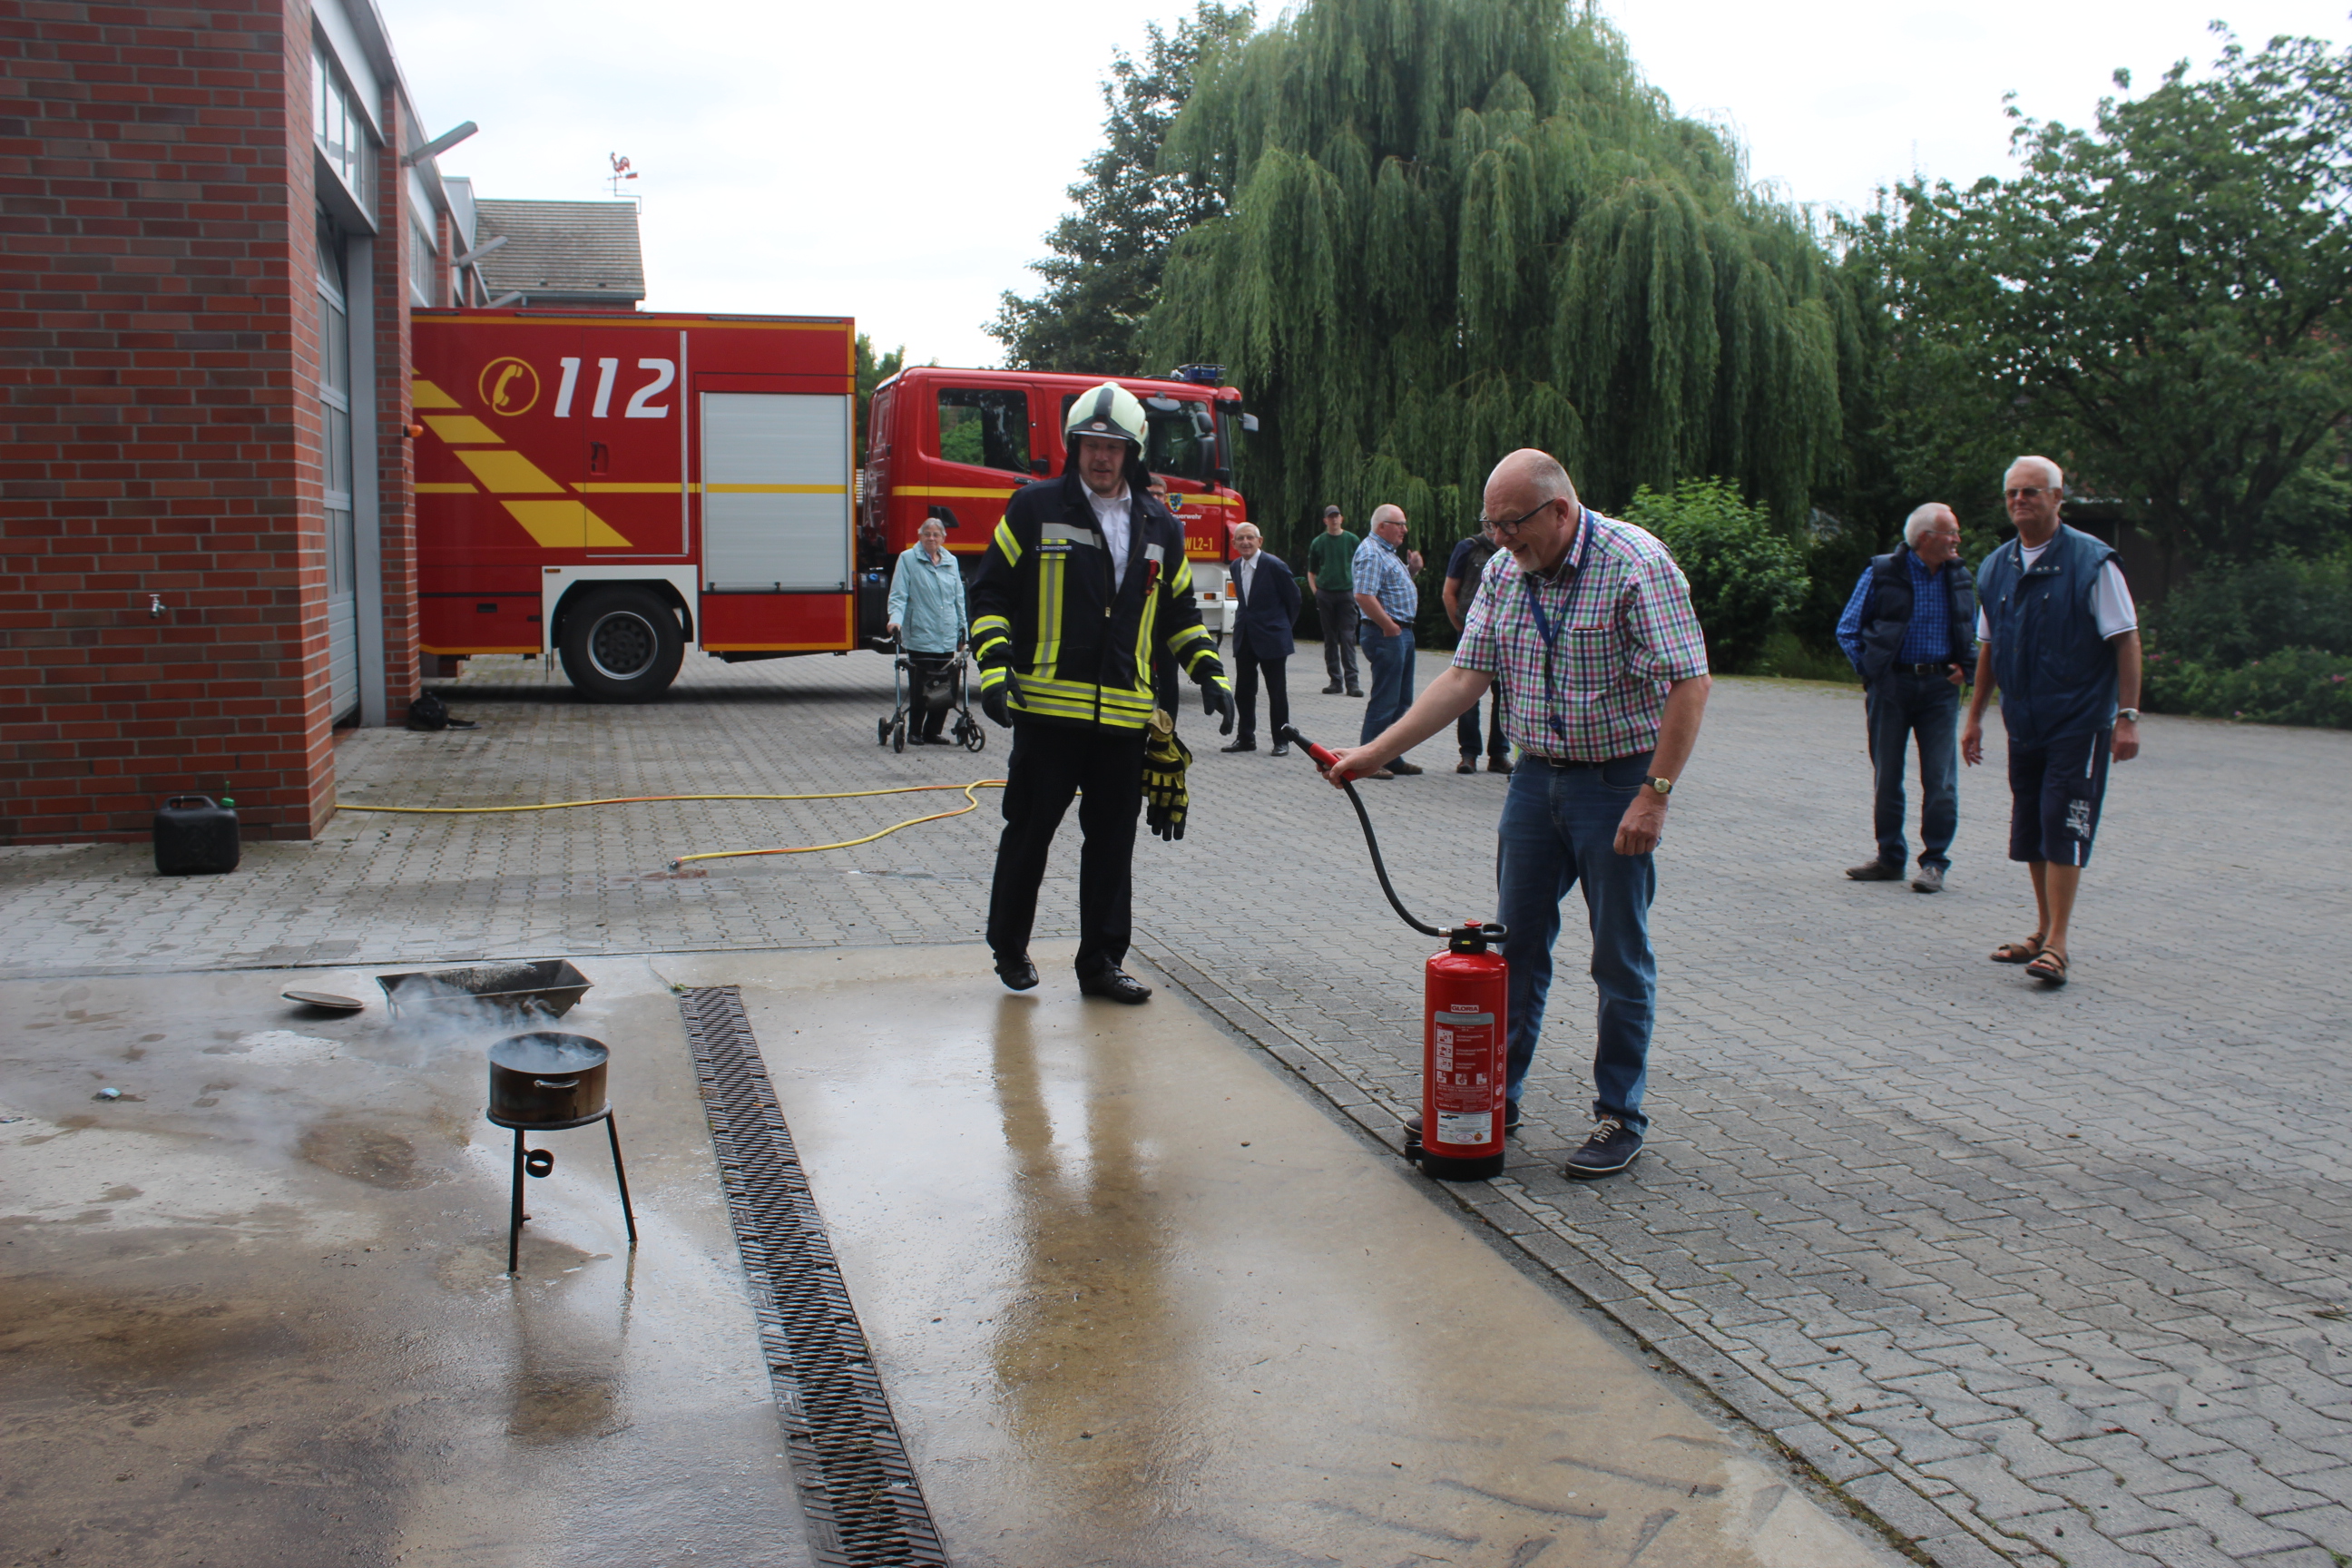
[1055,538]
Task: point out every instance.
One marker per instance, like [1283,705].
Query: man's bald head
[1530,489]
[1530,476]
[1387,512]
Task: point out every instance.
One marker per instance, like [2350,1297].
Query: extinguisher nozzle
[1288,734]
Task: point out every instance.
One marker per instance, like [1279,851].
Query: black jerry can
[194,835]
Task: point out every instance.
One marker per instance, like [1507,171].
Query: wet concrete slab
[1138,1302]
[253,1312]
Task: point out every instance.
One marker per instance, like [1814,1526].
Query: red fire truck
[955,444]
[614,489]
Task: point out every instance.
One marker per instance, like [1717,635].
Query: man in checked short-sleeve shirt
[1589,623]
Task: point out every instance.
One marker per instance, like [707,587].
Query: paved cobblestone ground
[2039,1277]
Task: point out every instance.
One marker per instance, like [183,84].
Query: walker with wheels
[947,686]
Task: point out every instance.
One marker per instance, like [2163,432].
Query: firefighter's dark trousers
[1103,768]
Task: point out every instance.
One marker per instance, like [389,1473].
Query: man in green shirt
[1332,577]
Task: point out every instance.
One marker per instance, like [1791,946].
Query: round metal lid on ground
[325,1001]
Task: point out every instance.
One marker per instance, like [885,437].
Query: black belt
[1564,763]
[1944,668]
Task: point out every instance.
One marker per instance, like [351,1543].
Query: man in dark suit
[1268,595]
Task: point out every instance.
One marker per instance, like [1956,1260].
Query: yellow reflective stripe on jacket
[1052,570]
[1006,545]
[1181,582]
[1079,700]
[989,633]
[1191,648]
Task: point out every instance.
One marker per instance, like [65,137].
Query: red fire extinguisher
[1465,1028]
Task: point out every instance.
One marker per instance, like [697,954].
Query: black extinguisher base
[1446,1169]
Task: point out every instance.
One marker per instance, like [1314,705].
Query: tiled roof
[562,251]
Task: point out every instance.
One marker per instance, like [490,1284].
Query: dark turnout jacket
[1073,648]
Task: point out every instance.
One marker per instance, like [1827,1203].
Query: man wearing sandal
[2056,633]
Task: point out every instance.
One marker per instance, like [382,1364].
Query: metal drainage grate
[863,1504]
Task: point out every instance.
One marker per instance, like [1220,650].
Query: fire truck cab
[955,444]
[615,489]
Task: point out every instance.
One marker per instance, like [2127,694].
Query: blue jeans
[1465,729]
[1391,658]
[1900,706]
[1559,826]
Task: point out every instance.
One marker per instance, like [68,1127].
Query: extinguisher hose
[1372,840]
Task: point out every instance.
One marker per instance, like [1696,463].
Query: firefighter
[1084,578]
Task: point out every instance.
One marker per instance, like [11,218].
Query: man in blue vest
[1909,630]
[2058,637]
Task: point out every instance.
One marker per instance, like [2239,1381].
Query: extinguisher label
[1465,1129]
[1466,1077]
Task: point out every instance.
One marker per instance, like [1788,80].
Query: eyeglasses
[2027,492]
[1514,525]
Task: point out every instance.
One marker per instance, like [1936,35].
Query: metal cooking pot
[547,1078]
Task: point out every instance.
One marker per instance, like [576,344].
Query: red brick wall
[158,420]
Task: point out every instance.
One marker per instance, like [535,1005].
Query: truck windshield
[1184,438]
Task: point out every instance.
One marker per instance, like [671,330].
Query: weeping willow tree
[1456,227]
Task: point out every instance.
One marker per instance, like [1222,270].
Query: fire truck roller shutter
[775,493]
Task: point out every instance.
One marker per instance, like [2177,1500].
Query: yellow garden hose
[972,803]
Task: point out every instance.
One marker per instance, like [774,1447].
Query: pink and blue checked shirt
[1618,613]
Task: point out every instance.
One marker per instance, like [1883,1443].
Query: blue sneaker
[1610,1150]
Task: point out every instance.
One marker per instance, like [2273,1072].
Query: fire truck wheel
[621,645]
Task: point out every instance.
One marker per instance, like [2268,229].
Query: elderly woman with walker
[927,615]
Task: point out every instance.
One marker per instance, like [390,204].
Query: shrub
[1790,657]
[2230,616]
[2292,686]
[1745,576]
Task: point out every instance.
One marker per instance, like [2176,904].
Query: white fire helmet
[1106,410]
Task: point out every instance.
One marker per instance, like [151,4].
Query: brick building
[214,223]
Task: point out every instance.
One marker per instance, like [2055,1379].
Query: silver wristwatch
[2130,714]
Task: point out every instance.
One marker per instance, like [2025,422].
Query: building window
[338,126]
[424,277]
[985,425]
[335,413]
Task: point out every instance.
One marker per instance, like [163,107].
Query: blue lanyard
[1549,631]
[1544,627]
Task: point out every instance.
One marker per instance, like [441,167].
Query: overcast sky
[899,161]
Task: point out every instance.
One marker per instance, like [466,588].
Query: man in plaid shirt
[1588,624]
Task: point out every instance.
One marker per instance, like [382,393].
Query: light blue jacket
[927,602]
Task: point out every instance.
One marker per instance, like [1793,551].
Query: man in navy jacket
[2059,638]
[1910,630]
[1268,597]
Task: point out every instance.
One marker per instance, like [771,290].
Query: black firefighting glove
[992,703]
[1217,698]
[1165,758]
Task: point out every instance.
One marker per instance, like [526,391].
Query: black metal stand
[539,1162]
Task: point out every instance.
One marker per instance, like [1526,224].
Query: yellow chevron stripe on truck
[504,472]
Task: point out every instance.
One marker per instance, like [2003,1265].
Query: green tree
[1104,274]
[872,372]
[1458,226]
[2160,302]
